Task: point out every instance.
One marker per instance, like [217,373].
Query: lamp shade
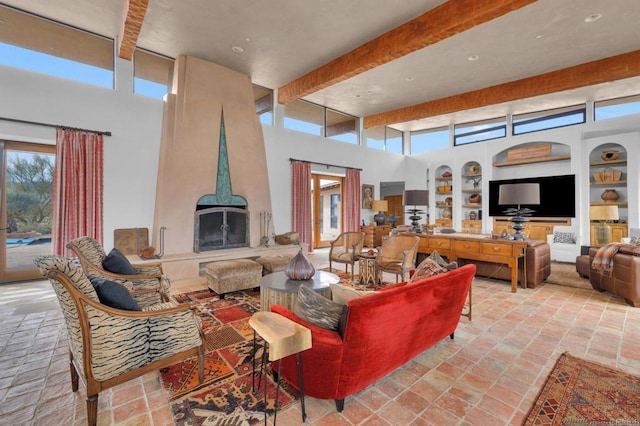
[603,213]
[519,193]
[416,197]
[380,205]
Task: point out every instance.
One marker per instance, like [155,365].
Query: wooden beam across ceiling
[444,21]
[614,68]
[132,18]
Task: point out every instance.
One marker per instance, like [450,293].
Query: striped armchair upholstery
[110,346]
[151,285]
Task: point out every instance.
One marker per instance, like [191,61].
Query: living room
[133,152]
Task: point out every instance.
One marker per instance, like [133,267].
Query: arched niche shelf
[532,152]
[471,197]
[444,196]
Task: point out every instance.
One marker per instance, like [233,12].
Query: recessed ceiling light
[593,18]
[237,49]
[409,78]
[539,36]
[473,58]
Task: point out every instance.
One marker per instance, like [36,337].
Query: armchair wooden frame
[83,369]
[346,249]
[397,255]
[150,277]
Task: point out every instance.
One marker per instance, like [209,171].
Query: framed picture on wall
[367,196]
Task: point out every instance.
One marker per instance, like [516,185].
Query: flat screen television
[557,196]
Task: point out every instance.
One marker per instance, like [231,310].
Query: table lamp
[519,194]
[382,206]
[603,214]
[416,197]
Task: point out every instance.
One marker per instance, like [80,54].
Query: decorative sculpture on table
[519,194]
[416,197]
[299,268]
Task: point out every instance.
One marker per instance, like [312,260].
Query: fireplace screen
[221,228]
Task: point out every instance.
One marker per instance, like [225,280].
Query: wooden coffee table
[278,288]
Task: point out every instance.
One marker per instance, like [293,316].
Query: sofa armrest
[630,249]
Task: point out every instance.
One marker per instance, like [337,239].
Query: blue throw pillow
[118,263]
[114,294]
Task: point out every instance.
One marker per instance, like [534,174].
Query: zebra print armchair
[149,282]
[109,346]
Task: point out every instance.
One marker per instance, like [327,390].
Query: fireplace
[221,228]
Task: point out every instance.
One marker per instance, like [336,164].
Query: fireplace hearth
[221,228]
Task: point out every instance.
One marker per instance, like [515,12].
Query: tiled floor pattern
[488,375]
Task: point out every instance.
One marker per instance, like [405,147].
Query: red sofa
[381,332]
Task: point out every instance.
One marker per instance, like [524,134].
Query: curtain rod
[15,120]
[324,164]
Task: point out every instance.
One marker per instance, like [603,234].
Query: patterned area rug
[582,392]
[225,396]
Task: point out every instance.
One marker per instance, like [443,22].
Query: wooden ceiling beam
[132,18]
[446,20]
[626,65]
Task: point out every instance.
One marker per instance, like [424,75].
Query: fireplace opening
[219,228]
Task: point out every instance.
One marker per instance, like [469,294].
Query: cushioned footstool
[233,275]
[271,264]
[583,266]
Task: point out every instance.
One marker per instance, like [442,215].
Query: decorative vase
[447,213]
[474,168]
[472,215]
[299,268]
[610,195]
[610,155]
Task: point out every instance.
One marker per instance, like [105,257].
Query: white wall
[132,152]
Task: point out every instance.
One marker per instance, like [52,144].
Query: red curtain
[77,189]
[301,215]
[352,201]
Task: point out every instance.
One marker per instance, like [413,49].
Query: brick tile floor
[489,374]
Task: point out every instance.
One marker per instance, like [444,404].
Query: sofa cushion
[342,293]
[114,294]
[427,268]
[118,263]
[317,309]
[564,237]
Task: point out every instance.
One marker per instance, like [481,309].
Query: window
[335,205]
[384,138]
[616,107]
[342,127]
[543,120]
[27,42]
[429,140]
[304,117]
[263,98]
[479,131]
[151,74]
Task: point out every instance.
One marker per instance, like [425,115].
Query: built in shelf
[607,163]
[610,203]
[533,160]
[618,182]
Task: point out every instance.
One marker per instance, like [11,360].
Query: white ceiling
[285,39]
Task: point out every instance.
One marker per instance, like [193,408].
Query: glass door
[25,213]
[326,206]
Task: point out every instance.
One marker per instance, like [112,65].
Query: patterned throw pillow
[564,237]
[442,262]
[317,309]
[342,294]
[635,240]
[427,268]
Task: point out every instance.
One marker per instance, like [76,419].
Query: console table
[478,247]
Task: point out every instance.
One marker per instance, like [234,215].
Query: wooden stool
[283,337]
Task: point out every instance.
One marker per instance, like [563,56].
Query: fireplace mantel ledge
[179,266]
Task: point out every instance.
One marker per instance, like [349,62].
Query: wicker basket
[288,238]
[608,175]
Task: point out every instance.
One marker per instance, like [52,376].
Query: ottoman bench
[271,264]
[227,276]
[583,266]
